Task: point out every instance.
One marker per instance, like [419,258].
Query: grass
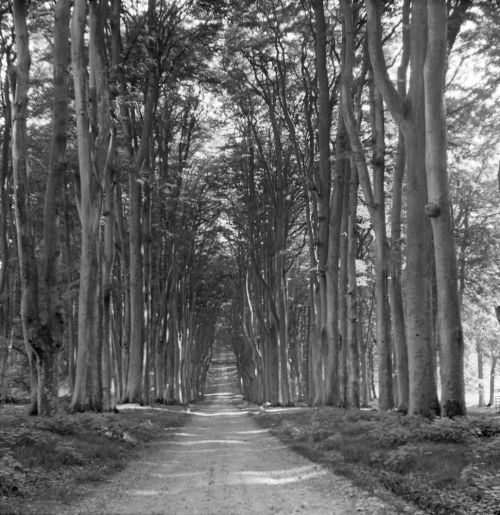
[51,458]
[443,467]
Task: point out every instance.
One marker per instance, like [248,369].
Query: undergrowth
[443,466]
[43,457]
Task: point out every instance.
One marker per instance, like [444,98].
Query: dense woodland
[314,182]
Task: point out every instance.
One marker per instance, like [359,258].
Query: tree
[374,198]
[409,115]
[439,210]
[36,337]
[87,390]
[53,208]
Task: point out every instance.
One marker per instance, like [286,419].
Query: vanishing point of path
[222,462]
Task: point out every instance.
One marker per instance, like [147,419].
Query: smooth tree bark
[37,337]
[480,375]
[353,394]
[342,164]
[5,209]
[439,210]
[375,200]
[342,293]
[87,392]
[134,392]
[103,155]
[53,210]
[396,257]
[322,349]
[4,193]
[410,116]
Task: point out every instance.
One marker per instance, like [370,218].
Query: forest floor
[226,456]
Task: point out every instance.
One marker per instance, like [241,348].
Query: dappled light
[278,477]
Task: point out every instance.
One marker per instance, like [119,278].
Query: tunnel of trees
[313,182]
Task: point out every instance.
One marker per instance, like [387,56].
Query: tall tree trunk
[439,211]
[134,380]
[332,274]
[342,291]
[363,358]
[5,268]
[480,375]
[322,191]
[4,198]
[134,391]
[86,394]
[352,295]
[375,201]
[396,259]
[410,116]
[384,347]
[69,315]
[53,202]
[36,337]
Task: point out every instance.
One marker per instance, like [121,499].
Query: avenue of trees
[314,182]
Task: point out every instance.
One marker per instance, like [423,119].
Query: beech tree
[375,200]
[439,210]
[87,392]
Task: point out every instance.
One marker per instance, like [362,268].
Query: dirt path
[222,462]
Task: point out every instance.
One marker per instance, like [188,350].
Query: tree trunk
[37,338]
[395,287]
[480,375]
[135,370]
[342,292]
[352,295]
[410,116]
[439,211]
[5,268]
[134,380]
[384,348]
[332,274]
[4,197]
[53,201]
[322,192]
[375,201]
[87,394]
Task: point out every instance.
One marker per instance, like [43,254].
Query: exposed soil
[222,462]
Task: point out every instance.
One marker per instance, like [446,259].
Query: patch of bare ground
[442,466]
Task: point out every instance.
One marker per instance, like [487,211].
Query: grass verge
[443,467]
[51,458]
